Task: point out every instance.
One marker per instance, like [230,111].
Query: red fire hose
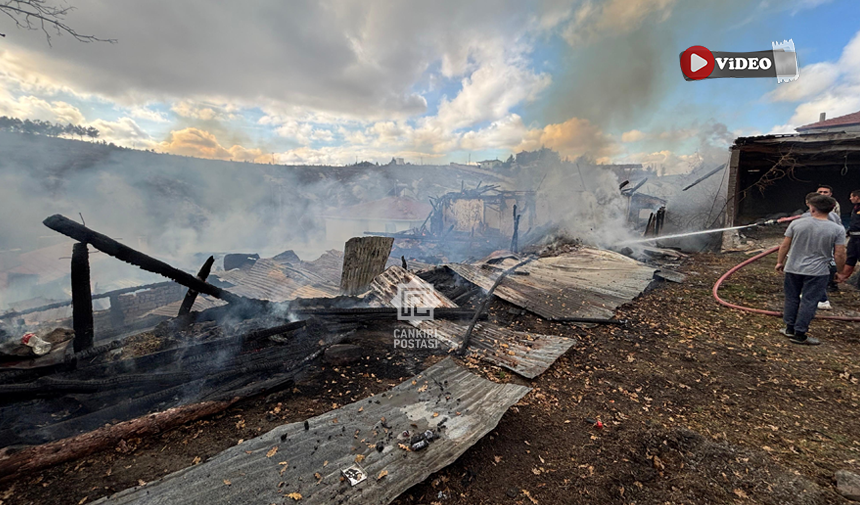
[761,311]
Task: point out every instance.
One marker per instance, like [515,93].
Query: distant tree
[43,15]
[55,130]
[28,127]
[92,133]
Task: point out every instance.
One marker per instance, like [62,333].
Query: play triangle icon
[697,62]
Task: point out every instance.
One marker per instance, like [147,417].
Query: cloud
[202,144]
[490,92]
[574,137]
[632,136]
[593,20]
[31,107]
[831,87]
[357,59]
[123,132]
[816,78]
[147,114]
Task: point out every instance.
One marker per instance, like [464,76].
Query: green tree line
[39,127]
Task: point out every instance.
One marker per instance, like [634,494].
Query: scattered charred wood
[191,295]
[122,252]
[103,391]
[82,298]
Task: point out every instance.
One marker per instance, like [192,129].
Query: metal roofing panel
[587,283]
[269,280]
[423,294]
[528,354]
[201,303]
[290,459]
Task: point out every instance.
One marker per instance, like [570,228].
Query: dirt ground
[700,404]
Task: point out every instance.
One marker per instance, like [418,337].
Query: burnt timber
[111,247]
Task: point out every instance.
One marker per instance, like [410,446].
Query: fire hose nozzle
[769,222]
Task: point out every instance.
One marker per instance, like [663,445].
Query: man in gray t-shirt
[804,257]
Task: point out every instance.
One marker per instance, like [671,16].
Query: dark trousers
[798,312]
[831,282]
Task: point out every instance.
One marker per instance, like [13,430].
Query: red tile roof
[846,120]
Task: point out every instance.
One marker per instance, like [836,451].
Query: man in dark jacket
[853,249]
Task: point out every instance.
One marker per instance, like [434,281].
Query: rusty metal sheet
[363,259]
[586,283]
[291,459]
[528,354]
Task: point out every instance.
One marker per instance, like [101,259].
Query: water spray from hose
[769,222]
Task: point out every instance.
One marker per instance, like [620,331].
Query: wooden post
[82,298]
[191,295]
[515,237]
[363,259]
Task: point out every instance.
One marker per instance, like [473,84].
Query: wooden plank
[458,406]
[363,259]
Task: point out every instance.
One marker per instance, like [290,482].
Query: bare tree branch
[44,16]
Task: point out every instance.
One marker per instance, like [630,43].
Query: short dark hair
[809,196]
[856,192]
[825,186]
[823,204]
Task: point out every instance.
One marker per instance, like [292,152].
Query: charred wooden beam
[122,252]
[515,236]
[15,461]
[82,298]
[191,295]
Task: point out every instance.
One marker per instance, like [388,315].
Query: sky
[336,81]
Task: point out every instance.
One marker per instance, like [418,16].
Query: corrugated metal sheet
[310,462]
[586,283]
[201,303]
[269,280]
[528,354]
[384,288]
